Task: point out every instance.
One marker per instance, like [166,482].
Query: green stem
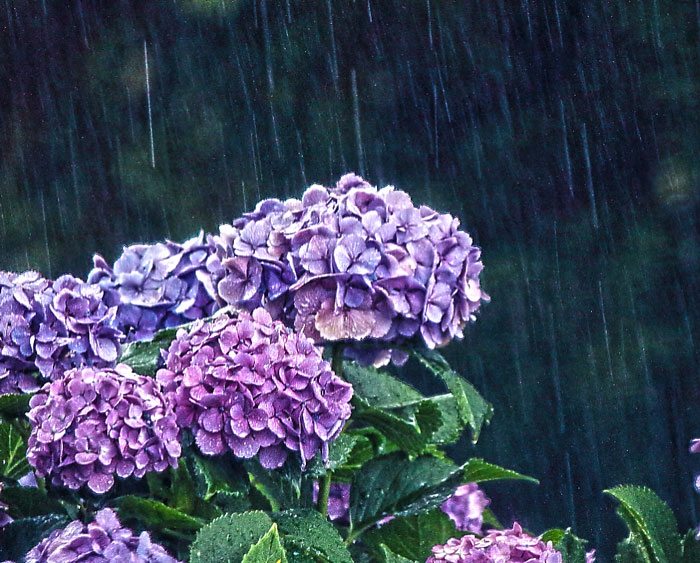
[337,358]
[353,534]
[324,491]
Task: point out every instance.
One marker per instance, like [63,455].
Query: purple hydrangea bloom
[246,384]
[156,286]
[93,424]
[351,263]
[102,540]
[51,327]
[338,501]
[466,506]
[5,518]
[498,546]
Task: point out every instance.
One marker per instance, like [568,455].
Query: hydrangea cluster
[351,262]
[498,546]
[52,326]
[156,286]
[247,384]
[104,539]
[93,424]
[466,507]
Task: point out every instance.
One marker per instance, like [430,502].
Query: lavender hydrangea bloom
[351,263]
[104,539]
[466,506]
[93,424]
[246,384]
[156,286]
[498,546]
[51,327]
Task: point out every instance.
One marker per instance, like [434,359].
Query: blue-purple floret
[156,286]
[246,384]
[50,327]
[94,424]
[351,263]
[102,540]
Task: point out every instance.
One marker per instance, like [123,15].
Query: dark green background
[565,135]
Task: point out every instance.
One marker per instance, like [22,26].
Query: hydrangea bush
[222,399]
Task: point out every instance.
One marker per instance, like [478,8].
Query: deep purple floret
[102,540]
[245,383]
[351,262]
[94,424]
[498,546]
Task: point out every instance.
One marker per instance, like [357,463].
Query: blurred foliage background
[564,134]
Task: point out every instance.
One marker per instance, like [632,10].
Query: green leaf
[13,452]
[391,557]
[229,537]
[12,405]
[267,550]
[338,453]
[413,536]
[308,536]
[379,388]
[653,528]
[395,485]
[408,435]
[144,356]
[385,392]
[628,551]
[18,537]
[25,502]
[471,406]
[219,475]
[282,487]
[691,548]
[175,487]
[490,520]
[361,452]
[572,548]
[477,470]
[156,515]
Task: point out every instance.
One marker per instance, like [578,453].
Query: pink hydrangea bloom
[245,383]
[498,546]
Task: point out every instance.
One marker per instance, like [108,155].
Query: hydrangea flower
[156,286]
[498,546]
[351,263]
[246,384]
[466,507]
[51,327]
[93,424]
[104,539]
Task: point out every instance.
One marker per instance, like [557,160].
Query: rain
[565,136]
